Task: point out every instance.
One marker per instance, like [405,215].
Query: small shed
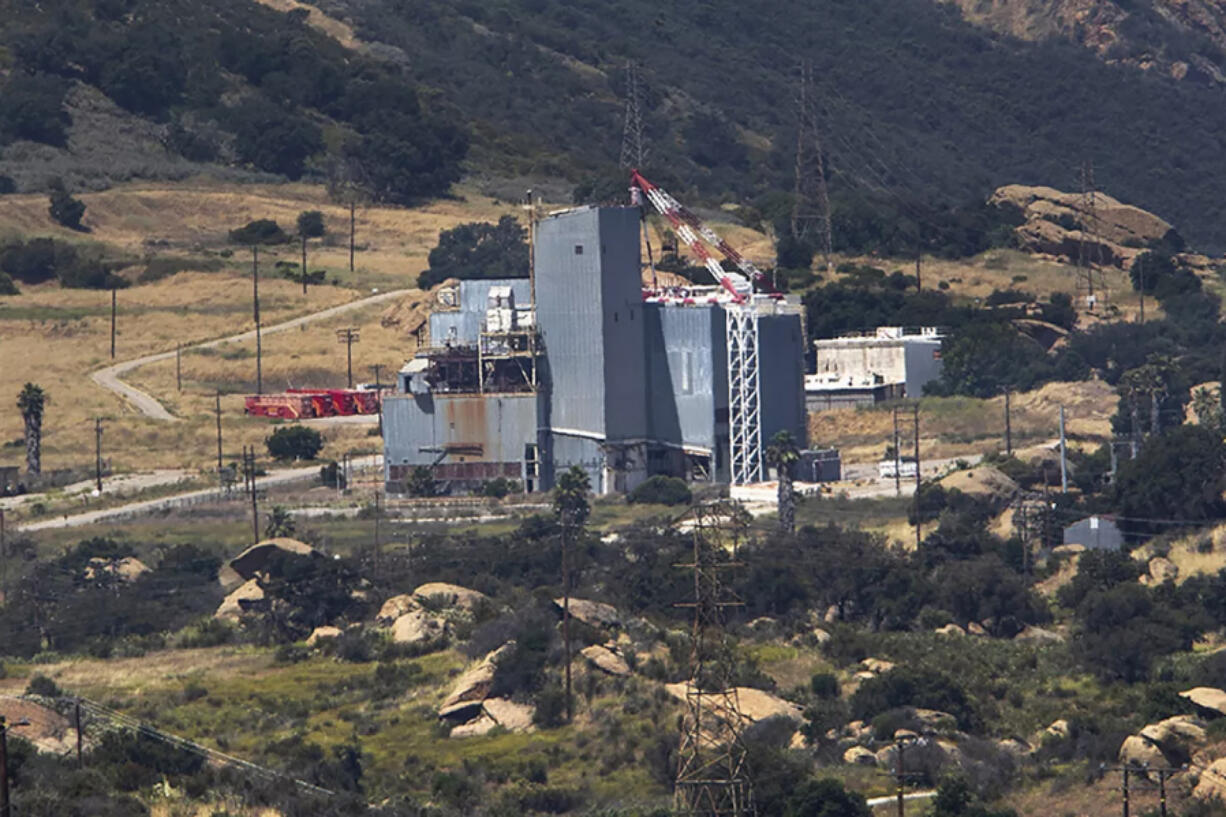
[1094,533]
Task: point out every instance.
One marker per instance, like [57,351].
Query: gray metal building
[621,387]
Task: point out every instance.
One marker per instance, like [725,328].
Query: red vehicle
[288,406]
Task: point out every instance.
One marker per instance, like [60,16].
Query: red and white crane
[691,230]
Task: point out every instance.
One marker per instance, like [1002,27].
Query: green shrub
[294,443]
[662,490]
[42,685]
[64,208]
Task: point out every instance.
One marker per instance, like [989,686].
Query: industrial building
[890,363]
[581,365]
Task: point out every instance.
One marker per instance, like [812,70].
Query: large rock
[321,633]
[495,713]
[1058,729]
[950,629]
[606,660]
[1038,635]
[755,704]
[479,726]
[1175,737]
[395,607]
[418,627]
[441,595]
[256,559]
[877,665]
[473,685]
[595,613]
[1057,223]
[246,596]
[127,569]
[859,756]
[1209,698]
[1136,750]
[1212,782]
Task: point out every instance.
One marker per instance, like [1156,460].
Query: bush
[662,490]
[64,208]
[499,488]
[43,686]
[7,287]
[260,231]
[922,688]
[294,443]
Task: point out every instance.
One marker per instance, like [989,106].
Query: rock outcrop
[1209,698]
[419,627]
[606,660]
[1059,224]
[395,607]
[496,713]
[246,596]
[127,569]
[595,613]
[257,558]
[469,691]
[322,633]
[442,596]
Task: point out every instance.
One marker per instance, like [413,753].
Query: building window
[578,249]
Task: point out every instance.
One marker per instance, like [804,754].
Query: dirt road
[146,404]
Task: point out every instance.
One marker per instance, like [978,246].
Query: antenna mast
[811,202]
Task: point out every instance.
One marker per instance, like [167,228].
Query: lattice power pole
[634,149]
[1089,252]
[712,777]
[811,203]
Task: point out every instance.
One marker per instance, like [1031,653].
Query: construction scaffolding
[712,776]
[744,395]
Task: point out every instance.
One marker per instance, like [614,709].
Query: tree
[1208,409]
[478,250]
[64,208]
[825,798]
[32,401]
[310,225]
[280,523]
[420,482]
[662,490]
[259,231]
[294,443]
[33,109]
[1177,475]
[783,455]
[570,503]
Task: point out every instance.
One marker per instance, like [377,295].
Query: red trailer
[288,406]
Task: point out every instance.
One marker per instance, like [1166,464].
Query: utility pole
[566,610]
[255,303]
[219,465]
[918,522]
[5,810]
[1008,425]
[352,224]
[897,458]
[249,469]
[98,453]
[377,511]
[900,780]
[113,323]
[379,392]
[349,336]
[80,755]
[919,278]
[1063,456]
[179,366]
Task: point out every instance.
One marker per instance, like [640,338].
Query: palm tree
[783,455]
[31,401]
[280,523]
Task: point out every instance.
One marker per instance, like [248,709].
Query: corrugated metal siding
[489,429]
[624,338]
[781,377]
[685,362]
[474,297]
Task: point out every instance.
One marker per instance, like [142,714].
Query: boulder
[859,756]
[418,627]
[1014,746]
[1136,750]
[1160,570]
[242,598]
[594,613]
[877,665]
[755,704]
[933,720]
[395,607]
[322,632]
[950,629]
[256,559]
[443,595]
[975,628]
[1175,737]
[1212,783]
[864,675]
[820,636]
[606,660]
[1038,635]
[127,569]
[481,725]
[887,757]
[1207,698]
[763,625]
[473,685]
[513,717]
[1058,729]
[905,734]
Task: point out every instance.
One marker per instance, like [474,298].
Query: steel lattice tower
[744,394]
[1089,252]
[634,150]
[712,776]
[811,199]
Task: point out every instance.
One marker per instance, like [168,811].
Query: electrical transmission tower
[634,150]
[811,205]
[712,778]
[1090,282]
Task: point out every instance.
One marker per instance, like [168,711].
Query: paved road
[112,484]
[146,404]
[280,476]
[874,802]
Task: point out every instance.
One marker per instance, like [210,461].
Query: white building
[890,363]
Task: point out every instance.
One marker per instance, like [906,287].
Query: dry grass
[337,30]
[958,426]
[1198,554]
[131,675]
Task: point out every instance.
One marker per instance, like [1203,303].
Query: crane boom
[691,229]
